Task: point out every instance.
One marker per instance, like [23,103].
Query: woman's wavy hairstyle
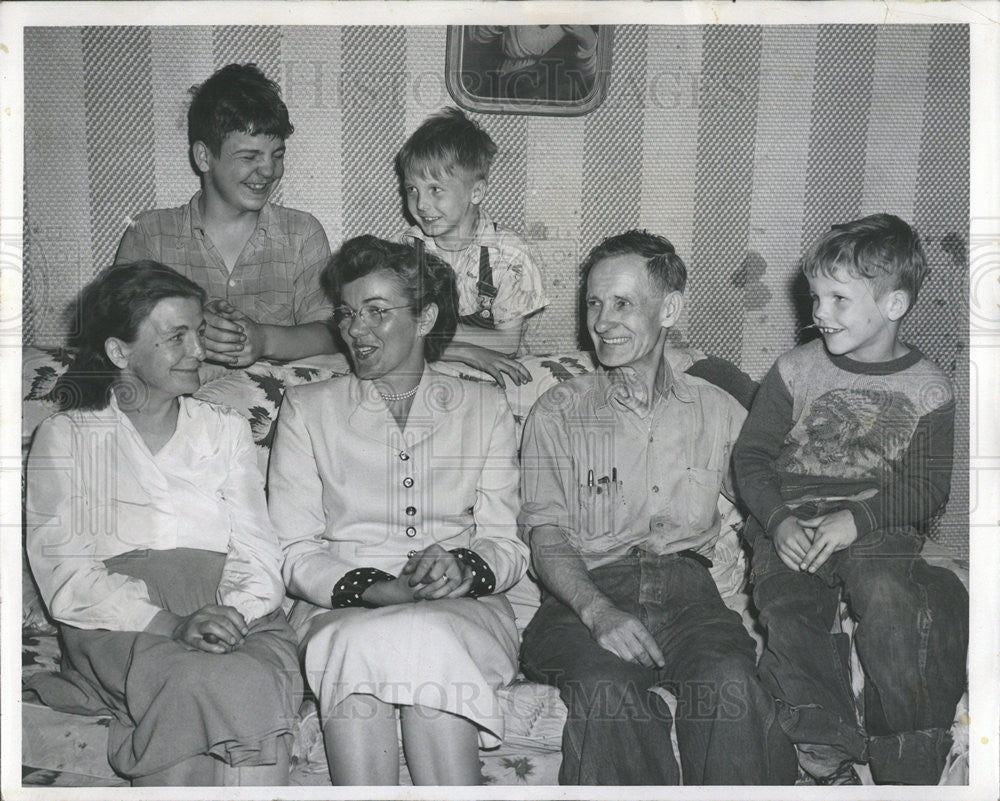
[422,277]
[114,305]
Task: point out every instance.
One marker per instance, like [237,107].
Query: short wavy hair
[238,97]
[114,305]
[665,268]
[446,140]
[422,277]
[880,248]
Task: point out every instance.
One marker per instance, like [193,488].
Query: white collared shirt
[95,490]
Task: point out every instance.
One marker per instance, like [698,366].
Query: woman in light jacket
[148,535]
[394,494]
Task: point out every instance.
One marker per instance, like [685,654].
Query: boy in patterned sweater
[844,459]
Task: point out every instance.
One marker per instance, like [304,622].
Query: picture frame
[554,70]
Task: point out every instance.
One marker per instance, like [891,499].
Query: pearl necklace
[393,396]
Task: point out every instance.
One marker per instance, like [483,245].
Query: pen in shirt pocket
[605,498]
[604,484]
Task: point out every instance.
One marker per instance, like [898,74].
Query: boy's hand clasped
[231,338]
[830,533]
[805,545]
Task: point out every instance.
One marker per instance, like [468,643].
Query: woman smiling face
[392,348]
[167,351]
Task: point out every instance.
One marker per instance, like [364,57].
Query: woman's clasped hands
[436,573]
[431,574]
[214,628]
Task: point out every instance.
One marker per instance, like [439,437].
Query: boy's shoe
[845,774]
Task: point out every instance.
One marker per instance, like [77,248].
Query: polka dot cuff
[349,589]
[484,581]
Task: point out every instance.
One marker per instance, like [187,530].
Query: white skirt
[451,654]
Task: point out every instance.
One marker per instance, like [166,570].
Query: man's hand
[623,635]
[792,540]
[491,362]
[831,533]
[231,338]
[436,573]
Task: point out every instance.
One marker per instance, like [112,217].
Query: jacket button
[410,554]
[404,456]
[411,531]
[407,482]
[411,510]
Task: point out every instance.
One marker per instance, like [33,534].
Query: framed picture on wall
[529,69]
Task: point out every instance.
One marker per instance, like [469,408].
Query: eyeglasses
[371,315]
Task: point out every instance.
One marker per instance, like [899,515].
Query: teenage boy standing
[259,262]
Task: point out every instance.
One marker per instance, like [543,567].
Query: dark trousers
[618,730]
[911,637]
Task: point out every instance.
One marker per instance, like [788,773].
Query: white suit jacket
[349,489]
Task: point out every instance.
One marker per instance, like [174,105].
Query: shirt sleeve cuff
[484,581]
[864,519]
[348,591]
[776,517]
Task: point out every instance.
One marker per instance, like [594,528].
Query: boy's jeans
[618,730]
[911,637]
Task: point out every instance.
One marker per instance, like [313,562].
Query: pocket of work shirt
[597,511]
[702,497]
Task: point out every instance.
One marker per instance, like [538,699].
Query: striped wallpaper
[739,143]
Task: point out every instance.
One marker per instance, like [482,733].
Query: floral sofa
[70,750]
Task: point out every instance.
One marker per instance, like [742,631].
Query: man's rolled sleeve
[545,463]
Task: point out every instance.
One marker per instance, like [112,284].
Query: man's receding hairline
[653,284]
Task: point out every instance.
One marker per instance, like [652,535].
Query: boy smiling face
[853,321]
[445,203]
[245,172]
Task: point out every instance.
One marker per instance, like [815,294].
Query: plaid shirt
[276,278]
[515,276]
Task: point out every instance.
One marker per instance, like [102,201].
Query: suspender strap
[483,317]
[485,283]
[484,286]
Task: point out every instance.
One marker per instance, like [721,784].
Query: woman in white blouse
[148,535]
[394,492]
